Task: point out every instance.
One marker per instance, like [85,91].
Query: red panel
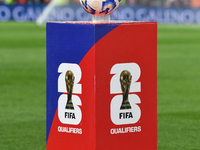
[128,43]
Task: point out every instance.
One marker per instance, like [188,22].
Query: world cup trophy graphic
[69,79]
[125,80]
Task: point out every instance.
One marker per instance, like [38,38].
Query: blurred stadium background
[162,11]
[23,69]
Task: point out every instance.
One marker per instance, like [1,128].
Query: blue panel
[66,43]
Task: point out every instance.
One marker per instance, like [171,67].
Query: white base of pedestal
[104,19]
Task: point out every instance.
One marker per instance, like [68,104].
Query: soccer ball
[100,7]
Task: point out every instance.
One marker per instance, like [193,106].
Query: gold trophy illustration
[125,80]
[69,79]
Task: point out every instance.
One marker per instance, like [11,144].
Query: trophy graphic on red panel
[69,79]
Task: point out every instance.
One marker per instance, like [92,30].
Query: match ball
[100,7]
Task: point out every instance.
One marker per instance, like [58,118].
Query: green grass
[178,87]
[22,87]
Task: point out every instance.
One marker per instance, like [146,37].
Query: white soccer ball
[100,7]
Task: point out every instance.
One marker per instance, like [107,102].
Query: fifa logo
[124,84]
[69,111]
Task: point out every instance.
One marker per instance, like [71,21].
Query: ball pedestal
[107,72]
[105,19]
